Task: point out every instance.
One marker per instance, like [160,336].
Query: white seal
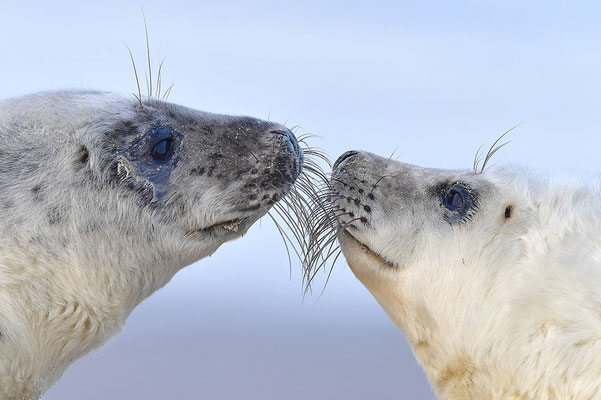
[494,278]
[103,199]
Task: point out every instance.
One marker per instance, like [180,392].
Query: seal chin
[347,240]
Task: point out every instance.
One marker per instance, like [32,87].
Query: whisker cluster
[306,219]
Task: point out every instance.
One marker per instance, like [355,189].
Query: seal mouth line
[369,251]
[232,225]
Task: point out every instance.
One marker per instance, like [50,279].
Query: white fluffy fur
[493,308]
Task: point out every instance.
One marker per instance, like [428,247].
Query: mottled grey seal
[104,198]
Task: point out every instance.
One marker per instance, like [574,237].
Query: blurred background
[434,80]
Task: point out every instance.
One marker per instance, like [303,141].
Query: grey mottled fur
[90,227]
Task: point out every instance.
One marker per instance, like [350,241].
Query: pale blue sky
[433,79]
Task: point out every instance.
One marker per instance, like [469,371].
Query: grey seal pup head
[494,277]
[103,200]
[198,178]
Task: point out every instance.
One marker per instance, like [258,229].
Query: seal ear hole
[508,212]
[83,156]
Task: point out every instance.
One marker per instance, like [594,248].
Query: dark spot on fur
[254,171]
[352,188]
[370,196]
[89,227]
[363,219]
[351,214]
[367,208]
[38,196]
[508,212]
[54,216]
[361,191]
[211,169]
[216,156]
[125,128]
[357,201]
[252,196]
[349,199]
[198,171]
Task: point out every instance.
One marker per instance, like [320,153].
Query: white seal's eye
[458,202]
[453,199]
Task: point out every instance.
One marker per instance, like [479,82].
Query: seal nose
[345,156]
[291,145]
[289,139]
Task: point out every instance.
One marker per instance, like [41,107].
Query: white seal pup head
[494,278]
[103,200]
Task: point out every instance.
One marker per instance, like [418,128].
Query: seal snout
[274,161]
[290,146]
[355,199]
[353,189]
[289,139]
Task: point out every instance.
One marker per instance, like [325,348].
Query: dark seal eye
[457,203]
[453,199]
[162,150]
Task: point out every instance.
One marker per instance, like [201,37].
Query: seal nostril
[343,157]
[289,137]
[291,145]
